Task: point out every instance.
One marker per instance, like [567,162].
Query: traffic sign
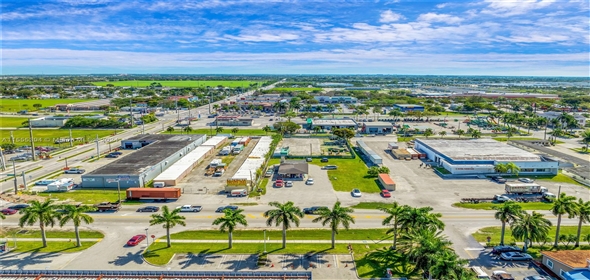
[10,174]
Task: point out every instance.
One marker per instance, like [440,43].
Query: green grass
[241,132]
[228,159]
[76,154]
[88,196]
[47,137]
[559,178]
[15,105]
[294,89]
[51,233]
[489,205]
[52,247]
[295,234]
[580,150]
[371,205]
[12,122]
[180,83]
[405,139]
[261,185]
[442,170]
[351,174]
[494,233]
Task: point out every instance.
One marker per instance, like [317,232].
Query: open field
[489,205]
[47,137]
[52,246]
[376,234]
[180,83]
[51,233]
[15,105]
[351,174]
[89,196]
[12,122]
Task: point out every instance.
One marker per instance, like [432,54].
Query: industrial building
[155,154]
[233,121]
[371,155]
[408,107]
[377,128]
[328,124]
[479,156]
[247,172]
[336,99]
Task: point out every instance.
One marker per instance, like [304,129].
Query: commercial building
[233,121]
[294,170]
[408,107]
[328,124]
[155,154]
[479,156]
[563,262]
[371,155]
[554,115]
[49,122]
[336,99]
[377,128]
[247,172]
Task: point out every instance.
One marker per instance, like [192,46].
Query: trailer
[107,206]
[524,188]
[153,193]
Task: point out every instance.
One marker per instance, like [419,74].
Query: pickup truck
[189,208]
[107,206]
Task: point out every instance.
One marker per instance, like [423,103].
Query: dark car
[222,208]
[111,156]
[8,211]
[116,153]
[498,179]
[18,206]
[503,249]
[314,209]
[324,159]
[149,209]
[136,239]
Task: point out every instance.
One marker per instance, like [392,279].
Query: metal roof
[478,149]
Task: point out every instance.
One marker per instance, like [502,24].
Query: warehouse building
[377,128]
[247,172]
[328,124]
[371,155]
[479,156]
[157,152]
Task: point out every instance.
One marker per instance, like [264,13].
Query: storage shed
[215,141]
[387,182]
[371,155]
[247,172]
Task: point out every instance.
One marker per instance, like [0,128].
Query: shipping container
[387,182]
[244,141]
[153,193]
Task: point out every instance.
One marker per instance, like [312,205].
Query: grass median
[489,205]
[51,233]
[52,247]
[371,205]
[494,232]
[377,234]
[86,196]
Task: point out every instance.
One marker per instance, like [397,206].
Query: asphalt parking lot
[489,262]
[304,195]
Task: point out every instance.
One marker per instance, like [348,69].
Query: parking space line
[317,260]
[284,260]
[221,262]
[335,261]
[239,262]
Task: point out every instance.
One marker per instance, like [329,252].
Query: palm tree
[216,107]
[423,246]
[76,214]
[586,138]
[335,217]
[501,168]
[285,214]
[428,132]
[476,134]
[447,265]
[508,212]
[229,221]
[415,218]
[460,132]
[219,130]
[266,129]
[289,115]
[235,130]
[583,214]
[42,212]
[317,129]
[170,129]
[512,168]
[188,129]
[393,213]
[530,227]
[442,133]
[168,220]
[563,205]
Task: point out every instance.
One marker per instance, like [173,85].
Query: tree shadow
[236,265]
[202,258]
[20,261]
[128,258]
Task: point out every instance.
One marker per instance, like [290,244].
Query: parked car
[288,183]
[385,193]
[74,171]
[279,183]
[308,159]
[309,181]
[505,248]
[18,207]
[149,209]
[111,156]
[116,153]
[526,180]
[222,208]
[501,275]
[314,209]
[356,193]
[536,277]
[330,167]
[516,256]
[324,159]
[8,211]
[269,173]
[136,239]
[498,179]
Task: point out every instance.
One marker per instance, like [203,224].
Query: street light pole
[14,174]
[119,189]
[147,240]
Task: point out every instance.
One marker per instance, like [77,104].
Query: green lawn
[295,234]
[180,83]
[294,89]
[580,150]
[489,205]
[371,205]
[89,196]
[350,175]
[15,105]
[262,185]
[241,132]
[228,159]
[12,122]
[494,233]
[47,137]
[52,247]
[50,233]
[559,178]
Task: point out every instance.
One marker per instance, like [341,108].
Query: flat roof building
[334,123]
[377,128]
[479,156]
[157,152]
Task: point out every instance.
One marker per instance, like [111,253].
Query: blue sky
[485,37]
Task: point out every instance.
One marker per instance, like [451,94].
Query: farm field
[11,122]
[179,83]
[15,105]
[47,137]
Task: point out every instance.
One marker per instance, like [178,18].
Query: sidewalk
[163,240]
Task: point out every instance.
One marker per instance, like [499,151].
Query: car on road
[498,179]
[501,275]
[288,183]
[516,256]
[324,159]
[149,209]
[111,156]
[504,249]
[309,181]
[222,208]
[18,207]
[536,277]
[526,180]
[136,239]
[279,183]
[74,171]
[385,193]
[8,211]
[314,209]
[356,193]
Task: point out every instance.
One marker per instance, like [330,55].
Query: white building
[479,156]
[554,115]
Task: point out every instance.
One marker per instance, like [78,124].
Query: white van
[238,193]
[480,274]
[159,184]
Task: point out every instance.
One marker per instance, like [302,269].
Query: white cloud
[442,5]
[389,16]
[505,8]
[264,37]
[444,18]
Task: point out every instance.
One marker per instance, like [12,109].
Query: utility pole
[24,179]
[210,98]
[32,142]
[14,174]
[11,138]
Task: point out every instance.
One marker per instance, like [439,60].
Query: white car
[309,181]
[526,180]
[516,256]
[74,171]
[356,193]
[288,183]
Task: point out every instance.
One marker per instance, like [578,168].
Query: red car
[279,183]
[8,211]
[136,240]
[385,193]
